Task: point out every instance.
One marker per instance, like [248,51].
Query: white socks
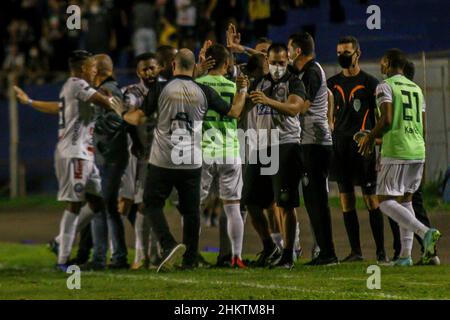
[406,236]
[297,237]
[404,217]
[235,227]
[142,233]
[84,217]
[67,232]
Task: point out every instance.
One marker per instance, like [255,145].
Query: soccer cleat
[53,246]
[315,252]
[288,265]
[403,262]
[284,262]
[237,263]
[429,244]
[266,257]
[172,257]
[353,257]
[319,261]
[433,261]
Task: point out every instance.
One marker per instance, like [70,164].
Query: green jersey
[220,138]
[404,140]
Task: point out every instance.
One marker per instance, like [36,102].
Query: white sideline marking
[256,285]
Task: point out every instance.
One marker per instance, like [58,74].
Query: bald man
[111,150]
[176,153]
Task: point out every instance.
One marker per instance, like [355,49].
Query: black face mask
[345,61]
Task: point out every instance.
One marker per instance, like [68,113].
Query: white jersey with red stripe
[76,120]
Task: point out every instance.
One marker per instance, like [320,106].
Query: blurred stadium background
[35,42]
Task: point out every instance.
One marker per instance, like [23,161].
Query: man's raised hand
[21,95]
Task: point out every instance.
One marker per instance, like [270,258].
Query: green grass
[26,272]
[432,201]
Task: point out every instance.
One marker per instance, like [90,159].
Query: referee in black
[315,140]
[354,110]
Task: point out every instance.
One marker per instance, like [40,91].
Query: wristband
[243,90]
[30,102]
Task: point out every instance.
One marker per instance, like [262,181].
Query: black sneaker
[119,265]
[284,262]
[170,257]
[266,257]
[319,261]
[382,259]
[91,266]
[53,246]
[353,257]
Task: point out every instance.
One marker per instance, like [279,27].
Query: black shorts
[350,169]
[281,187]
[316,162]
[161,181]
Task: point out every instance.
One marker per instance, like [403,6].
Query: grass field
[25,273]
[26,265]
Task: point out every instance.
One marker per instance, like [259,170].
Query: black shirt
[181,105]
[354,102]
[110,133]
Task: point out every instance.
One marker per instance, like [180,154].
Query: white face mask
[276,71]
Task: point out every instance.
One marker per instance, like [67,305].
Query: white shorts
[227,176]
[128,185]
[140,181]
[76,177]
[398,179]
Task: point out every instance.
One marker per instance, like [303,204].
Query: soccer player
[354,110]
[316,143]
[278,99]
[147,70]
[165,55]
[401,127]
[222,162]
[175,159]
[78,177]
[417,200]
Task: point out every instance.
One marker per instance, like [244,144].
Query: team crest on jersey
[281,93]
[356,104]
[78,187]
